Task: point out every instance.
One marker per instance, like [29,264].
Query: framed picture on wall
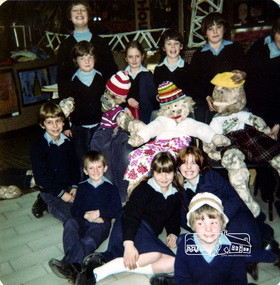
[31,83]
[249,13]
[9,105]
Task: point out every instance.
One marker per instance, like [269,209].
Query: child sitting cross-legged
[96,203]
[205,257]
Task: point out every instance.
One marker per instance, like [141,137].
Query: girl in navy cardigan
[142,95]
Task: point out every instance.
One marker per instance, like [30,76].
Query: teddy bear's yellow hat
[224,80]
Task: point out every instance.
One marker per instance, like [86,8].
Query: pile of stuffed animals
[233,136]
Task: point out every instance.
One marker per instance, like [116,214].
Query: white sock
[116,266]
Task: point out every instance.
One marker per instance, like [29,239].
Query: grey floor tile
[34,258]
[24,275]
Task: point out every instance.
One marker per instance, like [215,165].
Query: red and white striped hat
[119,84]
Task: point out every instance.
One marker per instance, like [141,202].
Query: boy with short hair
[96,203]
[87,87]
[54,163]
[213,262]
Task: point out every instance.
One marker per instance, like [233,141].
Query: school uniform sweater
[263,84]
[151,206]
[192,269]
[87,101]
[180,76]
[104,197]
[55,167]
[205,65]
[65,68]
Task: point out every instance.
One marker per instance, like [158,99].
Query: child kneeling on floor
[96,203]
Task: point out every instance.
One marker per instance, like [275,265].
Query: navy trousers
[57,207]
[81,238]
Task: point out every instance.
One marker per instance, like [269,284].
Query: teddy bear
[172,129]
[247,132]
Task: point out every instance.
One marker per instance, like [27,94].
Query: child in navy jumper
[142,94]
[173,68]
[206,257]
[86,89]
[218,55]
[97,202]
[54,163]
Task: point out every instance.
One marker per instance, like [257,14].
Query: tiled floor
[27,244]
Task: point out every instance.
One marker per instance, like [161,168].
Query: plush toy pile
[247,132]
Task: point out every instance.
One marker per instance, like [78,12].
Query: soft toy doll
[171,129]
[113,133]
[247,132]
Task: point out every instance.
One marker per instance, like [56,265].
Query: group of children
[86,206]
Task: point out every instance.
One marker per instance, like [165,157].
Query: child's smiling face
[172,48]
[54,127]
[208,230]
[95,170]
[79,15]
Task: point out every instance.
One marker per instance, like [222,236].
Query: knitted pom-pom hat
[119,84]
[224,80]
[206,198]
[168,93]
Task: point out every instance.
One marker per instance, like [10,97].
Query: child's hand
[91,216]
[130,255]
[99,220]
[171,241]
[133,103]
[68,133]
[66,197]
[73,192]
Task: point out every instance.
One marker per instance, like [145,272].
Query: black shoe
[94,260]
[162,279]
[252,269]
[85,277]
[39,207]
[64,270]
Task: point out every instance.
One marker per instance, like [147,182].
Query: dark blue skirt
[145,241]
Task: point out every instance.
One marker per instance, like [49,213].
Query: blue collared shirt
[188,185]
[104,179]
[141,69]
[50,140]
[274,51]
[223,44]
[180,63]
[171,191]
[86,77]
[223,240]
